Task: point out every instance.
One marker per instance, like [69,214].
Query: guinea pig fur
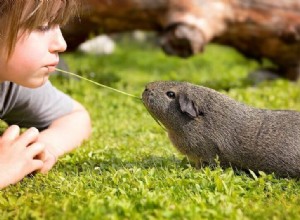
[205,124]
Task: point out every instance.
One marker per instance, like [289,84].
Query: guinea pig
[204,125]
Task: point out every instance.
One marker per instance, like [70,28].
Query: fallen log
[257,28]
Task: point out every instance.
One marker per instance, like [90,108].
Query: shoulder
[9,93]
[35,107]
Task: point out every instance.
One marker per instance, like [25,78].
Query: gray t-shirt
[32,107]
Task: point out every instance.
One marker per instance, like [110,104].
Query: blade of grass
[98,84]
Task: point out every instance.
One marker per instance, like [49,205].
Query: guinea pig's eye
[171,94]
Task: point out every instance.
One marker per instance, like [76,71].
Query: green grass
[129,169]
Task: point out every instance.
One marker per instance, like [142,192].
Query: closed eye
[43,28]
[171,94]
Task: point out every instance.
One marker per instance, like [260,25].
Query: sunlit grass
[130,170]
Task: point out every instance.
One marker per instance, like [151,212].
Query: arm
[64,134]
[66,121]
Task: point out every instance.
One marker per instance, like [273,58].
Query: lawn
[129,169]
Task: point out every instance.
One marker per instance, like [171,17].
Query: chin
[37,83]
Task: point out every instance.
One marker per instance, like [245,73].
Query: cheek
[21,66]
[164,107]
[27,54]
[29,51]
[19,62]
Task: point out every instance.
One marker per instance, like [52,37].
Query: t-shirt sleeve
[37,107]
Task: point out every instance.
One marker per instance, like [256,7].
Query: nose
[58,43]
[150,87]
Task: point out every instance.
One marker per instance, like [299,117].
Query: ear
[187,106]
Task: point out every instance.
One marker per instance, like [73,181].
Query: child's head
[31,39]
[24,16]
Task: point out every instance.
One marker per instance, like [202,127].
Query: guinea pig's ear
[187,106]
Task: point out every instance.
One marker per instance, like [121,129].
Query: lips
[51,67]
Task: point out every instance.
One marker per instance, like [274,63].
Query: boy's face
[34,57]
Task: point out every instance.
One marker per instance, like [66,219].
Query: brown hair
[16,15]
